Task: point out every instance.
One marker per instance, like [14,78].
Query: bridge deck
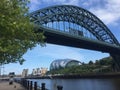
[61,38]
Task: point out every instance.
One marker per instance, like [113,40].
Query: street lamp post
[1,66]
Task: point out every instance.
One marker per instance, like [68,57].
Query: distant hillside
[103,65]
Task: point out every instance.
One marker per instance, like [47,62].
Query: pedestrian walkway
[4,85]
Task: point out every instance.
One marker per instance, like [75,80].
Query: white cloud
[55,1]
[107,10]
[35,4]
[109,13]
[68,2]
[106,16]
[52,52]
[86,4]
[55,52]
[72,2]
[92,3]
[60,52]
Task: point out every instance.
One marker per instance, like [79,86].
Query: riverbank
[80,76]
[72,76]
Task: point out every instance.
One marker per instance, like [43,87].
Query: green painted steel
[77,15]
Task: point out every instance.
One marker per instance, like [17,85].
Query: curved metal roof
[61,63]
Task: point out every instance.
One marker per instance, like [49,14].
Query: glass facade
[62,63]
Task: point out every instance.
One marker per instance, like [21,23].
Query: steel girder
[77,15]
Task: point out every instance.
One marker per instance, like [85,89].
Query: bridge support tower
[116,62]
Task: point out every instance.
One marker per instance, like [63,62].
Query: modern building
[25,73]
[62,63]
[39,71]
[34,72]
[43,71]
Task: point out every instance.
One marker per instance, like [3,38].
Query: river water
[80,84]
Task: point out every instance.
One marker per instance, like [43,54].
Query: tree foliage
[16,32]
[104,61]
[103,65]
[90,62]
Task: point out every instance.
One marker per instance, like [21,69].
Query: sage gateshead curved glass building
[62,63]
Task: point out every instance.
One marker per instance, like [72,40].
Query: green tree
[16,31]
[106,61]
[90,62]
[97,62]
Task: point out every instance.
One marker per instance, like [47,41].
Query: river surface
[80,84]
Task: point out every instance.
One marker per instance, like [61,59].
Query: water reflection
[82,84]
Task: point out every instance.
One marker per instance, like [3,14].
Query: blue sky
[107,10]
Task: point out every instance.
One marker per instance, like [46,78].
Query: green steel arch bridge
[74,26]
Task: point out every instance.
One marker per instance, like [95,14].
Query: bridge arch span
[77,15]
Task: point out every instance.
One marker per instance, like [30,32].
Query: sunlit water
[81,84]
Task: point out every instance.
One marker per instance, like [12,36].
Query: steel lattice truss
[75,15]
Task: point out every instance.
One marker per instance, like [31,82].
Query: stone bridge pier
[116,62]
